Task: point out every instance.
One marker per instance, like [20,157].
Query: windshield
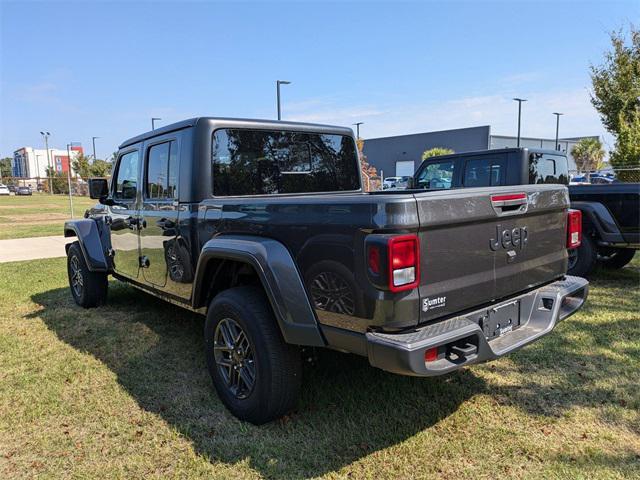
[436,175]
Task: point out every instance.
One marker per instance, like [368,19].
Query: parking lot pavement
[18,249]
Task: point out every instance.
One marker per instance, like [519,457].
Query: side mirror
[98,188]
[410,183]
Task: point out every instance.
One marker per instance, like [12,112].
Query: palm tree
[436,151]
[588,154]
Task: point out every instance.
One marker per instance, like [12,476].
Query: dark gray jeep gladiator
[264,227]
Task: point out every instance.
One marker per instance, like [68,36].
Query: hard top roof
[238,123]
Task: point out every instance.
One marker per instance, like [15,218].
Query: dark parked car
[610,209]
[23,191]
[611,225]
[506,166]
[12,188]
[263,227]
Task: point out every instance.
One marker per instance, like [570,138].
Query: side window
[483,172]
[127,177]
[162,171]
[545,168]
[436,175]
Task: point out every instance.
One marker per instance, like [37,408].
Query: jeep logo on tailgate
[508,239]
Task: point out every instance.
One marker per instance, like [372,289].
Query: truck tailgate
[475,249]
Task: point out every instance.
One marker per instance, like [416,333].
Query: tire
[333,288]
[585,258]
[274,366]
[89,289]
[617,258]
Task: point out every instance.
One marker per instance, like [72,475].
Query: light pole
[357,124]
[519,100]
[93,140]
[278,83]
[69,177]
[153,122]
[557,147]
[46,135]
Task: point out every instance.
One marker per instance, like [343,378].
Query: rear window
[483,172]
[548,168]
[258,162]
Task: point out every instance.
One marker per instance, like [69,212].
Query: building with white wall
[29,162]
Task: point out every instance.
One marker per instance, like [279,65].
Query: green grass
[37,215]
[122,392]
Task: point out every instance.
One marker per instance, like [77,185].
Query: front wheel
[256,374]
[89,289]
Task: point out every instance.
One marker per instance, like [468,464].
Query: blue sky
[105,68]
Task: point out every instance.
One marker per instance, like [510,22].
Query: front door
[159,212]
[124,214]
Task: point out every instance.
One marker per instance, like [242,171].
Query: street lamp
[519,100]
[357,124]
[69,176]
[46,135]
[153,122]
[93,140]
[278,83]
[557,147]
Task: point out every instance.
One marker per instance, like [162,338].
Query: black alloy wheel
[234,358]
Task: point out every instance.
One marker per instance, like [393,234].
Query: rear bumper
[540,311]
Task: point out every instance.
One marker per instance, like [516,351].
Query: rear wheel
[615,258]
[256,374]
[89,289]
[582,260]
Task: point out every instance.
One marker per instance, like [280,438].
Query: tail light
[574,228]
[393,261]
[404,262]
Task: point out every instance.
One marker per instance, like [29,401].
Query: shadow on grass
[590,360]
[347,410]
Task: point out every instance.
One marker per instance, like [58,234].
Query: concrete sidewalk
[18,249]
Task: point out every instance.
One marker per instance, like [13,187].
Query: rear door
[475,250]
[159,212]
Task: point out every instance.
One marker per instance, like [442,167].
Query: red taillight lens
[574,228]
[431,355]
[374,259]
[403,253]
[404,262]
